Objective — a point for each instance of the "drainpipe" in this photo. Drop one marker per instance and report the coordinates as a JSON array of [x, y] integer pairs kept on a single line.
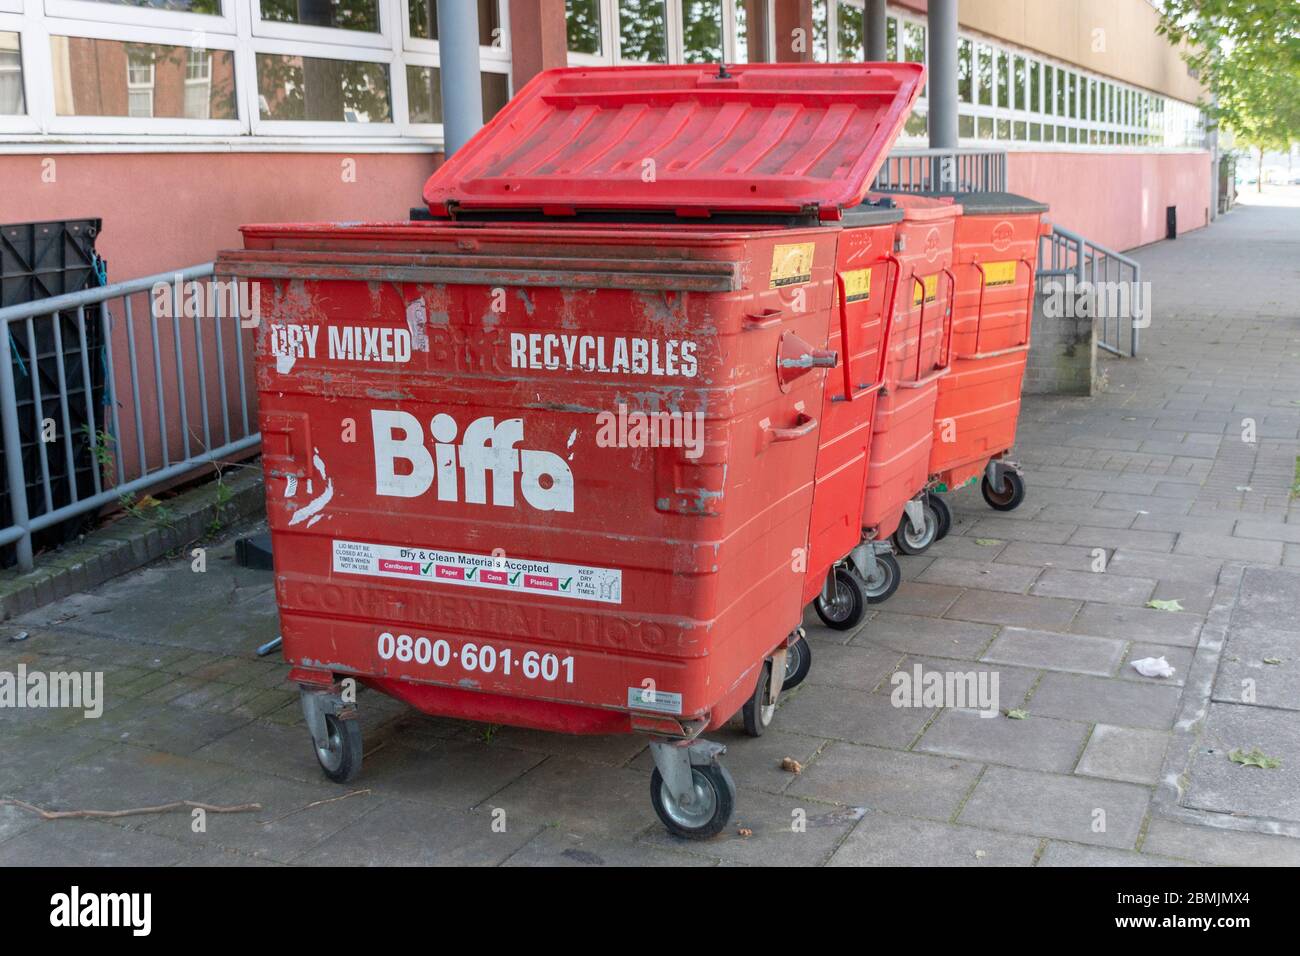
[[873, 25], [462, 92]]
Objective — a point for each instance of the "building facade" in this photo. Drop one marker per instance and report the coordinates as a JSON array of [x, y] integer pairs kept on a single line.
[[175, 121]]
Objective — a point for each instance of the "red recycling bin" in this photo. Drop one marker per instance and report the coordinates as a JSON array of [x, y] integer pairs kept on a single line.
[[552, 459], [996, 255], [919, 355]]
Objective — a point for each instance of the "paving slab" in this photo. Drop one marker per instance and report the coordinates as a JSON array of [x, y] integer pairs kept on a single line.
[[1260, 665], [858, 717], [915, 634], [1218, 845], [1152, 626], [1124, 753], [1015, 609], [1035, 743], [1053, 805], [1105, 700], [1219, 785], [1050, 650], [885, 840], [1060, 854], [886, 780]]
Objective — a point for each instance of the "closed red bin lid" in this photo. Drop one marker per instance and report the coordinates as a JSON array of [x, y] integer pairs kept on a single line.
[[777, 138]]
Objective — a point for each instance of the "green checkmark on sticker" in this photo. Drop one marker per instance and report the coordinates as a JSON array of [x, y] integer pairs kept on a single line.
[[469, 575], [427, 567], [515, 577], [564, 585]]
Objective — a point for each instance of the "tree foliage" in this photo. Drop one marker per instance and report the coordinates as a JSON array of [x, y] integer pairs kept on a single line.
[[1247, 52]]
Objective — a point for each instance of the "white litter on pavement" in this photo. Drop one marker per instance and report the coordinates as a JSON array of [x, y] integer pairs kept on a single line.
[[1153, 667]]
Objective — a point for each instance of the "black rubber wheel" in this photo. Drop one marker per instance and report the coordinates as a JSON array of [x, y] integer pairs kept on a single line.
[[907, 541], [715, 800], [844, 612], [945, 515], [340, 759], [798, 662], [755, 716], [1013, 492], [884, 581]]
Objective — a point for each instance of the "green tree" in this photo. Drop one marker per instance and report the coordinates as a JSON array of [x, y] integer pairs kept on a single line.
[[1247, 52]]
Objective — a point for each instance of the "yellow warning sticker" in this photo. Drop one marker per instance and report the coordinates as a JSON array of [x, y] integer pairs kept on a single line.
[[857, 285], [931, 284], [792, 264], [1000, 273]]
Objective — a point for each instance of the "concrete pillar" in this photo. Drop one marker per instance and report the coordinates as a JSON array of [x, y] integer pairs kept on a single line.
[[462, 91], [873, 23], [794, 30], [539, 39], [941, 86]]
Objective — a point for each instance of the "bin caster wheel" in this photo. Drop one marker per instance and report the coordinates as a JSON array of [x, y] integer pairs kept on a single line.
[[798, 662], [1013, 492], [707, 814], [909, 541], [945, 515], [883, 581], [755, 714], [844, 611], [340, 757]]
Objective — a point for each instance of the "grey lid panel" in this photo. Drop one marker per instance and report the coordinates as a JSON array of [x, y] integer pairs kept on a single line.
[[990, 203], [869, 215]]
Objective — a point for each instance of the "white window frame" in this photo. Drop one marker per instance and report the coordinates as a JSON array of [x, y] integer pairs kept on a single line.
[[125, 33], [496, 54], [29, 121], [264, 127], [11, 6], [328, 36], [107, 12]]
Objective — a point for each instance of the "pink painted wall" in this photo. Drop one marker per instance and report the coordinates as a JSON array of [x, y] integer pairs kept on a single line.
[[1115, 198], [166, 210]]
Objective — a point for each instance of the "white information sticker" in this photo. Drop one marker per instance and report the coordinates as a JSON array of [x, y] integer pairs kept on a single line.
[[492, 572], [659, 701]]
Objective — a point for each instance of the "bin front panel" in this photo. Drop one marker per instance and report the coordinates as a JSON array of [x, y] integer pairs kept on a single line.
[[463, 483], [864, 287], [694, 139], [999, 253]]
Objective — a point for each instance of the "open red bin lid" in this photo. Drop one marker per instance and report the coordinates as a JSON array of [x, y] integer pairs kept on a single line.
[[779, 138]]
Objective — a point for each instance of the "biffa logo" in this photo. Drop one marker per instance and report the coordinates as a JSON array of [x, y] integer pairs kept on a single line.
[[486, 448]]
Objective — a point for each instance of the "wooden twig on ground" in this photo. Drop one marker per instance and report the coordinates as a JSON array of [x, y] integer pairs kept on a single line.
[[134, 811]]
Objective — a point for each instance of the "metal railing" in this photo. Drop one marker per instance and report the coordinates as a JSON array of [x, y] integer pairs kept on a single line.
[[943, 170], [1114, 282], [194, 365]]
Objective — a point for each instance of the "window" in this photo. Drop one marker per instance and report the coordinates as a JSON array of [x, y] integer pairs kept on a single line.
[[11, 76], [1035, 101], [891, 38], [849, 27], [821, 30], [1004, 88], [360, 15], [423, 19], [95, 77], [753, 27], [139, 83], [584, 26], [984, 71], [198, 83], [1049, 98], [643, 30], [1071, 96], [913, 42], [424, 91], [702, 31], [299, 88], [965, 81], [212, 7], [966, 126], [1018, 79]]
